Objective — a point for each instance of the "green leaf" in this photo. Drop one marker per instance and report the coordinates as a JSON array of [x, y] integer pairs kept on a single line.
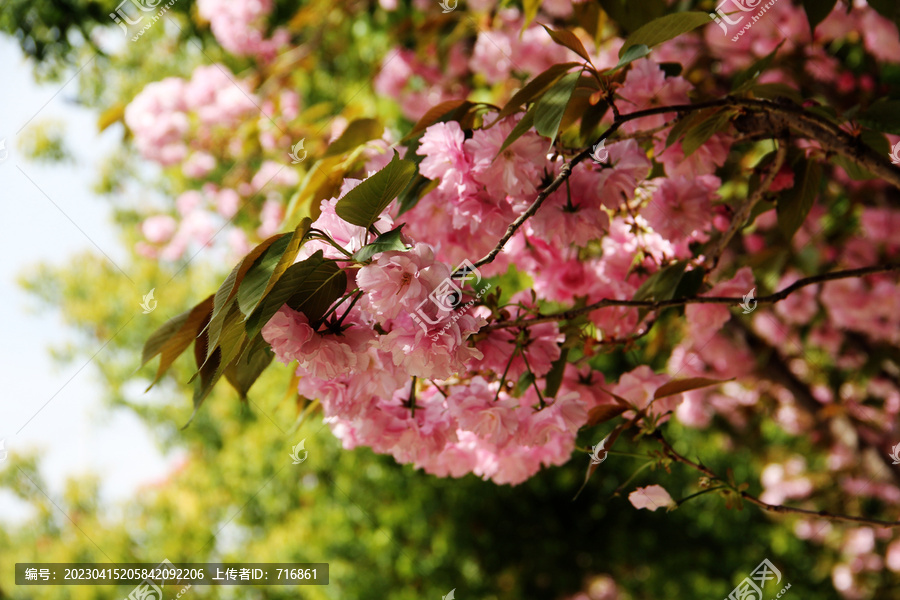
[[631, 15], [889, 9], [243, 372], [229, 288], [175, 336], [590, 120], [772, 91], [662, 284], [604, 413], [632, 54], [319, 290], [664, 29], [524, 124], [269, 267], [384, 242], [555, 376], [410, 196], [364, 204], [690, 284], [877, 142], [744, 79], [549, 110], [566, 38], [158, 338], [817, 10], [883, 116], [795, 203], [310, 286], [436, 114], [679, 386], [530, 8], [525, 380], [357, 133], [232, 338], [254, 284], [534, 88], [683, 124], [705, 129], [209, 367]]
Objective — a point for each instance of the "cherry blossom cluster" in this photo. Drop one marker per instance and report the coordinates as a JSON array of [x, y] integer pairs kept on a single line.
[[366, 376], [466, 396], [240, 26], [191, 123]]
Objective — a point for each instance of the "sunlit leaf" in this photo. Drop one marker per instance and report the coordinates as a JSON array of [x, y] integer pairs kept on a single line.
[[357, 133], [632, 54], [384, 242], [310, 286], [549, 110], [817, 10], [364, 204], [604, 413], [566, 38], [436, 114], [679, 386], [664, 29], [524, 124], [243, 372], [176, 335], [535, 87], [795, 203]]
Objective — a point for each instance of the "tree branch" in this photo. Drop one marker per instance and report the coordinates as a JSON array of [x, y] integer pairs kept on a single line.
[[778, 117], [743, 213], [566, 170], [658, 304], [776, 508]]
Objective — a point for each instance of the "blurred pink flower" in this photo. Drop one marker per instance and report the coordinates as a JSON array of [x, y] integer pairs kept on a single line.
[[159, 229], [651, 498]]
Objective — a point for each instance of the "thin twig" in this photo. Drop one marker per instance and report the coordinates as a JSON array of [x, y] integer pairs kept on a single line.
[[779, 116], [743, 212], [566, 170], [776, 508], [658, 304]]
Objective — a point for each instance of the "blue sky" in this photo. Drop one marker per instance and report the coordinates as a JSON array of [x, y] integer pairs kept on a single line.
[[51, 213]]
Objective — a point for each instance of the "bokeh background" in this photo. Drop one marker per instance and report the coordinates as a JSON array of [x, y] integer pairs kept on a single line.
[[98, 470]]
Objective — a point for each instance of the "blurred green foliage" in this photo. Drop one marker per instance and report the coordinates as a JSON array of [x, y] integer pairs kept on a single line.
[[388, 532]]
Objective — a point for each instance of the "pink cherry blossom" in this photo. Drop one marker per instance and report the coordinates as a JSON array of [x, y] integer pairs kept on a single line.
[[651, 497], [475, 409], [159, 229], [515, 171], [681, 207], [400, 280], [647, 86]]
